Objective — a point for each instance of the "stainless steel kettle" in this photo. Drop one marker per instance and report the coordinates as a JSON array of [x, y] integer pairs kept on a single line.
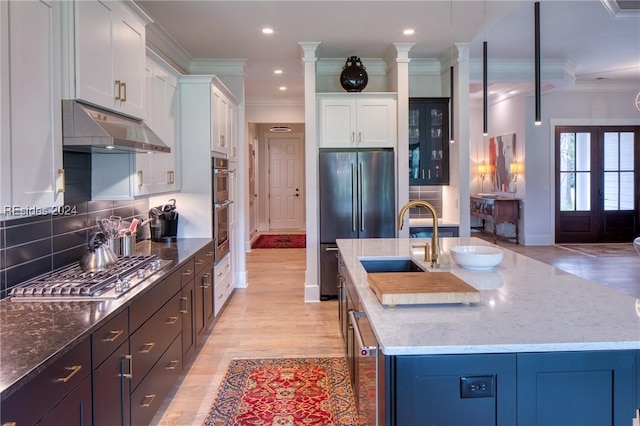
[[99, 256]]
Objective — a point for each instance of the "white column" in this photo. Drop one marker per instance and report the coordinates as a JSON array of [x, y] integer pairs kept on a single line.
[[402, 149], [312, 275], [461, 147]]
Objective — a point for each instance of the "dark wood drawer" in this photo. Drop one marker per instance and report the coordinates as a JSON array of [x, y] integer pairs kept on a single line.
[[203, 257], [146, 399], [187, 271], [143, 308], [35, 399], [108, 337], [150, 341], [74, 409]]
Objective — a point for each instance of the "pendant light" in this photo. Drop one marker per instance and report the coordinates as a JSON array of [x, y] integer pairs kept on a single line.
[[485, 100], [451, 115], [536, 19], [485, 91], [451, 86]]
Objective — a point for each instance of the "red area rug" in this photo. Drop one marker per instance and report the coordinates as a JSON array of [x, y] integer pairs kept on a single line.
[[280, 241], [285, 392]]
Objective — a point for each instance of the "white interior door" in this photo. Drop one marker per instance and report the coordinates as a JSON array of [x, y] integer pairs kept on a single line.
[[285, 183]]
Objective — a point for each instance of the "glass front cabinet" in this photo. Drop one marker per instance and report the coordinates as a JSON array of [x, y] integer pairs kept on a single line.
[[428, 141]]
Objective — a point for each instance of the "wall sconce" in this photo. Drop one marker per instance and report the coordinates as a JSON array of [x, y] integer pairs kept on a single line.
[[483, 169], [515, 169]]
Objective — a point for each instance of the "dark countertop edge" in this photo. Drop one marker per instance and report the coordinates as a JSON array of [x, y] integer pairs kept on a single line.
[[182, 250]]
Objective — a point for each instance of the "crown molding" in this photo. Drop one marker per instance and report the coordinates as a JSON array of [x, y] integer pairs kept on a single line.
[[333, 66], [605, 86], [267, 101], [560, 71], [163, 45], [617, 12], [218, 66], [424, 67]]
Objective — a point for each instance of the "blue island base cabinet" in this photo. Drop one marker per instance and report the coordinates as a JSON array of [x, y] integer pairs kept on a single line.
[[576, 388], [429, 390], [594, 388]]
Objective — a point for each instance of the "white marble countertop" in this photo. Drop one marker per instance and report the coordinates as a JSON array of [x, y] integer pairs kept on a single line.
[[525, 306]]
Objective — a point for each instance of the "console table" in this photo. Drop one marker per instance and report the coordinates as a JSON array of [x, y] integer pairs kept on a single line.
[[497, 210]]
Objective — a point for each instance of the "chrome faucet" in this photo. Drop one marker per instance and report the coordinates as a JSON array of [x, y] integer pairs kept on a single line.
[[435, 244]]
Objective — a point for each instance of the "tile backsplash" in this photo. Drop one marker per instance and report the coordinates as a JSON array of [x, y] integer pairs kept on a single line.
[[431, 194], [31, 246], [34, 245]]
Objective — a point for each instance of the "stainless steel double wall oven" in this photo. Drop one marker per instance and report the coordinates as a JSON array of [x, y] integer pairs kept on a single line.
[[221, 202]]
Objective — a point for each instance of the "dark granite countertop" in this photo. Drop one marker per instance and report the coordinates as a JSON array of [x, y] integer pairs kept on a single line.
[[34, 334]]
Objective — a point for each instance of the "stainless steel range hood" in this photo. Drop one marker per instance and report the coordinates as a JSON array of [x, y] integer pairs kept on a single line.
[[86, 128]]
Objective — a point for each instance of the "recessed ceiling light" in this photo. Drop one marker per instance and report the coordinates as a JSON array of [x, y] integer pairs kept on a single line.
[[267, 30], [277, 71], [408, 31], [283, 88]]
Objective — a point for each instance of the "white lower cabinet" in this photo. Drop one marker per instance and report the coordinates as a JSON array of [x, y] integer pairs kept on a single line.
[[223, 285], [31, 172]]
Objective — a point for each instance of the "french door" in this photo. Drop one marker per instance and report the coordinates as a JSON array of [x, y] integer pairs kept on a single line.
[[597, 184]]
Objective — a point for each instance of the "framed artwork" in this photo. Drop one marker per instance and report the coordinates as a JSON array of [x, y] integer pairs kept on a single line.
[[502, 152]]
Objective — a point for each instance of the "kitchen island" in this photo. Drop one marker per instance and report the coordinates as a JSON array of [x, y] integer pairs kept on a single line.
[[541, 347]]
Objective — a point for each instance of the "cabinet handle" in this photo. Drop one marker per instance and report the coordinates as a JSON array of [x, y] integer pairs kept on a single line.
[[222, 142], [62, 181], [173, 364], [112, 336], [184, 310], [209, 254], [422, 173], [219, 274], [129, 375], [74, 370], [220, 296], [118, 90], [199, 262], [187, 272], [139, 178], [429, 173], [146, 348], [148, 399], [353, 137], [172, 320], [205, 281], [124, 90], [359, 137], [170, 177]]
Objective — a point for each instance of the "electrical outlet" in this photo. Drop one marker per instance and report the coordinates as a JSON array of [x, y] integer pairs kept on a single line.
[[477, 386]]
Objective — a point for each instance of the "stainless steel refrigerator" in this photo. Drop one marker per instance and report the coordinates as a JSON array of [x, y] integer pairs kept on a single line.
[[357, 200]]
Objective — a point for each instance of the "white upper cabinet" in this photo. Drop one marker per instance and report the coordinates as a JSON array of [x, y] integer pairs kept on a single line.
[[357, 121], [109, 56], [31, 135], [224, 121], [162, 116]]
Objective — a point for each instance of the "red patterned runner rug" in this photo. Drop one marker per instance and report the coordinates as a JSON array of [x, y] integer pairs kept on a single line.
[[280, 241], [284, 392]]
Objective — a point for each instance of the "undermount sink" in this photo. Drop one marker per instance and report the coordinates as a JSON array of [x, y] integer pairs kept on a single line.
[[390, 265]]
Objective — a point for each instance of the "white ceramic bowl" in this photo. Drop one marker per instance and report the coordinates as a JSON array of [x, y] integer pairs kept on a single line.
[[476, 257]]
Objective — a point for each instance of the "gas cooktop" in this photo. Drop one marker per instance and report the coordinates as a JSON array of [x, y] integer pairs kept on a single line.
[[72, 283]]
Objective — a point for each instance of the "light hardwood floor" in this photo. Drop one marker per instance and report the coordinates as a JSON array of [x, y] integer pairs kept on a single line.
[[270, 319]]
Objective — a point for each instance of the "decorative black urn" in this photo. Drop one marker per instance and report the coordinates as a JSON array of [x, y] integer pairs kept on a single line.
[[353, 77]]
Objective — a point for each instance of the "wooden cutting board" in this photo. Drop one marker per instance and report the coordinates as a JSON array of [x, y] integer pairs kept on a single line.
[[408, 288]]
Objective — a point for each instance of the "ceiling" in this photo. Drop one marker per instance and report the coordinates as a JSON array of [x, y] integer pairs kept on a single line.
[[598, 39]]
